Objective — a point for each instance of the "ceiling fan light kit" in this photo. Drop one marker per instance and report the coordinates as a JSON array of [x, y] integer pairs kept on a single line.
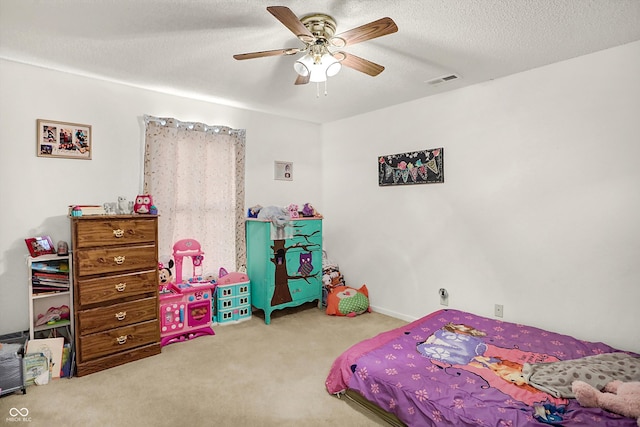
[[317, 66], [317, 32]]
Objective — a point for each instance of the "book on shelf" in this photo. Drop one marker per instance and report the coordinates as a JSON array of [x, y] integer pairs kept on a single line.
[[56, 283], [67, 361], [50, 291], [61, 280], [87, 209], [50, 276], [49, 286], [52, 266]]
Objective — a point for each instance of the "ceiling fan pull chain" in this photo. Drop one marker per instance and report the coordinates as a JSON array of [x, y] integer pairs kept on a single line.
[[325, 88]]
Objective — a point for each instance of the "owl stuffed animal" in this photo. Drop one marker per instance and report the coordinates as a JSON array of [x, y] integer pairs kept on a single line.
[[123, 206], [143, 204], [347, 301]]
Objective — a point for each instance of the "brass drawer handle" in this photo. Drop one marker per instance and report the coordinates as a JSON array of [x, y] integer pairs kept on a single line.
[[122, 339], [121, 315], [118, 259], [120, 287], [118, 233]]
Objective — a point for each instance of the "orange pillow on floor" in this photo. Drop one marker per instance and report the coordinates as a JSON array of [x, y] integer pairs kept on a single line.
[[347, 301]]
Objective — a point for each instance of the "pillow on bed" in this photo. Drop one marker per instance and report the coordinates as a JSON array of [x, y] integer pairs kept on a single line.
[[347, 301]]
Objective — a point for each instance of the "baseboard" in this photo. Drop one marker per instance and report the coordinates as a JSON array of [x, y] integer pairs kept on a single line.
[[393, 314]]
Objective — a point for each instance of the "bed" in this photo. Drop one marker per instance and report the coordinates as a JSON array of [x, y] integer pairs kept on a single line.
[[456, 368]]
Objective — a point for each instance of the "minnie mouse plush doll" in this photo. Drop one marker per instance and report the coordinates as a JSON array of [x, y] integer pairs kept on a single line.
[[165, 276]]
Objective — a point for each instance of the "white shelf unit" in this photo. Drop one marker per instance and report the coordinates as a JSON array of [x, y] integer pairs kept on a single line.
[[41, 301]]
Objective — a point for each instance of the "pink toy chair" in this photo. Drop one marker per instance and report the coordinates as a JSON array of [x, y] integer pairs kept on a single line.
[[190, 248]]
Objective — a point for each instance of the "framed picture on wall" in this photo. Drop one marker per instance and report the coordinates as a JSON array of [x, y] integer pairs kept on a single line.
[[283, 171], [413, 167], [63, 140]]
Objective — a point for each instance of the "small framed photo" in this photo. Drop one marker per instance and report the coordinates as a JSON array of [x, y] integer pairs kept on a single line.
[[40, 246], [63, 140], [283, 171]]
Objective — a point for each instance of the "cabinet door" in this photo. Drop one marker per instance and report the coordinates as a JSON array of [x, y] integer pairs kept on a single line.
[[305, 273], [296, 273], [284, 270], [172, 316]]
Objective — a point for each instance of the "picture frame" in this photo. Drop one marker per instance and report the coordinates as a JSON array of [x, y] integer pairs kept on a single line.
[[63, 140], [413, 167], [41, 245], [283, 171]]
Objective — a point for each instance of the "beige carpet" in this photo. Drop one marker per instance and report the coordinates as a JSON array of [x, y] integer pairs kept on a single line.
[[248, 374]]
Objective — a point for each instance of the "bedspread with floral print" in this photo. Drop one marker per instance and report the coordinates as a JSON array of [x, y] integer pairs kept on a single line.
[[457, 368]]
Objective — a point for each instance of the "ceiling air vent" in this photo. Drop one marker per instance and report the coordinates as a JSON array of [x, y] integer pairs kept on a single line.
[[443, 79]]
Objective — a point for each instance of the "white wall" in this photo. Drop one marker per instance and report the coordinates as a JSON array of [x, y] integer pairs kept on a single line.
[[538, 212], [35, 192]]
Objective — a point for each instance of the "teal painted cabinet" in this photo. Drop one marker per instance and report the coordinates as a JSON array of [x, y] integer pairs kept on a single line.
[[284, 264]]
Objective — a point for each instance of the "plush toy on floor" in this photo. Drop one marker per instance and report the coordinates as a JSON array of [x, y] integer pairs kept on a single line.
[[347, 301], [620, 397]]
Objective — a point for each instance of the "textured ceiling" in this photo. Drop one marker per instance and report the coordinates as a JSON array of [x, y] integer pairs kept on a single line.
[[185, 47]]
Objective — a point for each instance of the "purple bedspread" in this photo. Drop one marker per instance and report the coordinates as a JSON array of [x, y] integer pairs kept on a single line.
[[457, 368]]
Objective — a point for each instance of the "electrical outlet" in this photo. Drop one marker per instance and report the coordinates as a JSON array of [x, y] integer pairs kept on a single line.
[[444, 296], [499, 310]]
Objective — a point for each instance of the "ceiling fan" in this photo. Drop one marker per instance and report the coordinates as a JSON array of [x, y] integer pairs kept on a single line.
[[317, 32]]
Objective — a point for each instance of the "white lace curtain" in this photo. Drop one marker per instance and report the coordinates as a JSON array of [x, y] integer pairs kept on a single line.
[[195, 174]]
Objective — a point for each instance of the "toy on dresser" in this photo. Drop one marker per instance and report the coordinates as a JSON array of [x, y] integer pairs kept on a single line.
[[185, 305]]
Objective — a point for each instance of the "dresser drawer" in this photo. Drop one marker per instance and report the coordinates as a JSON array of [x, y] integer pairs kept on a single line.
[[117, 315], [303, 290], [118, 340], [105, 289], [306, 232], [94, 261], [108, 232]]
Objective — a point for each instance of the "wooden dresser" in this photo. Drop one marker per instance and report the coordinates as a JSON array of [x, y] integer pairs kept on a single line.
[[284, 265], [115, 282]]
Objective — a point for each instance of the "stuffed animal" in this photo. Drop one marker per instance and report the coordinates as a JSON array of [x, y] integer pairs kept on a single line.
[[143, 204], [293, 210], [253, 211], [164, 273], [347, 301], [620, 397], [53, 315], [308, 210], [277, 215], [123, 206]]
